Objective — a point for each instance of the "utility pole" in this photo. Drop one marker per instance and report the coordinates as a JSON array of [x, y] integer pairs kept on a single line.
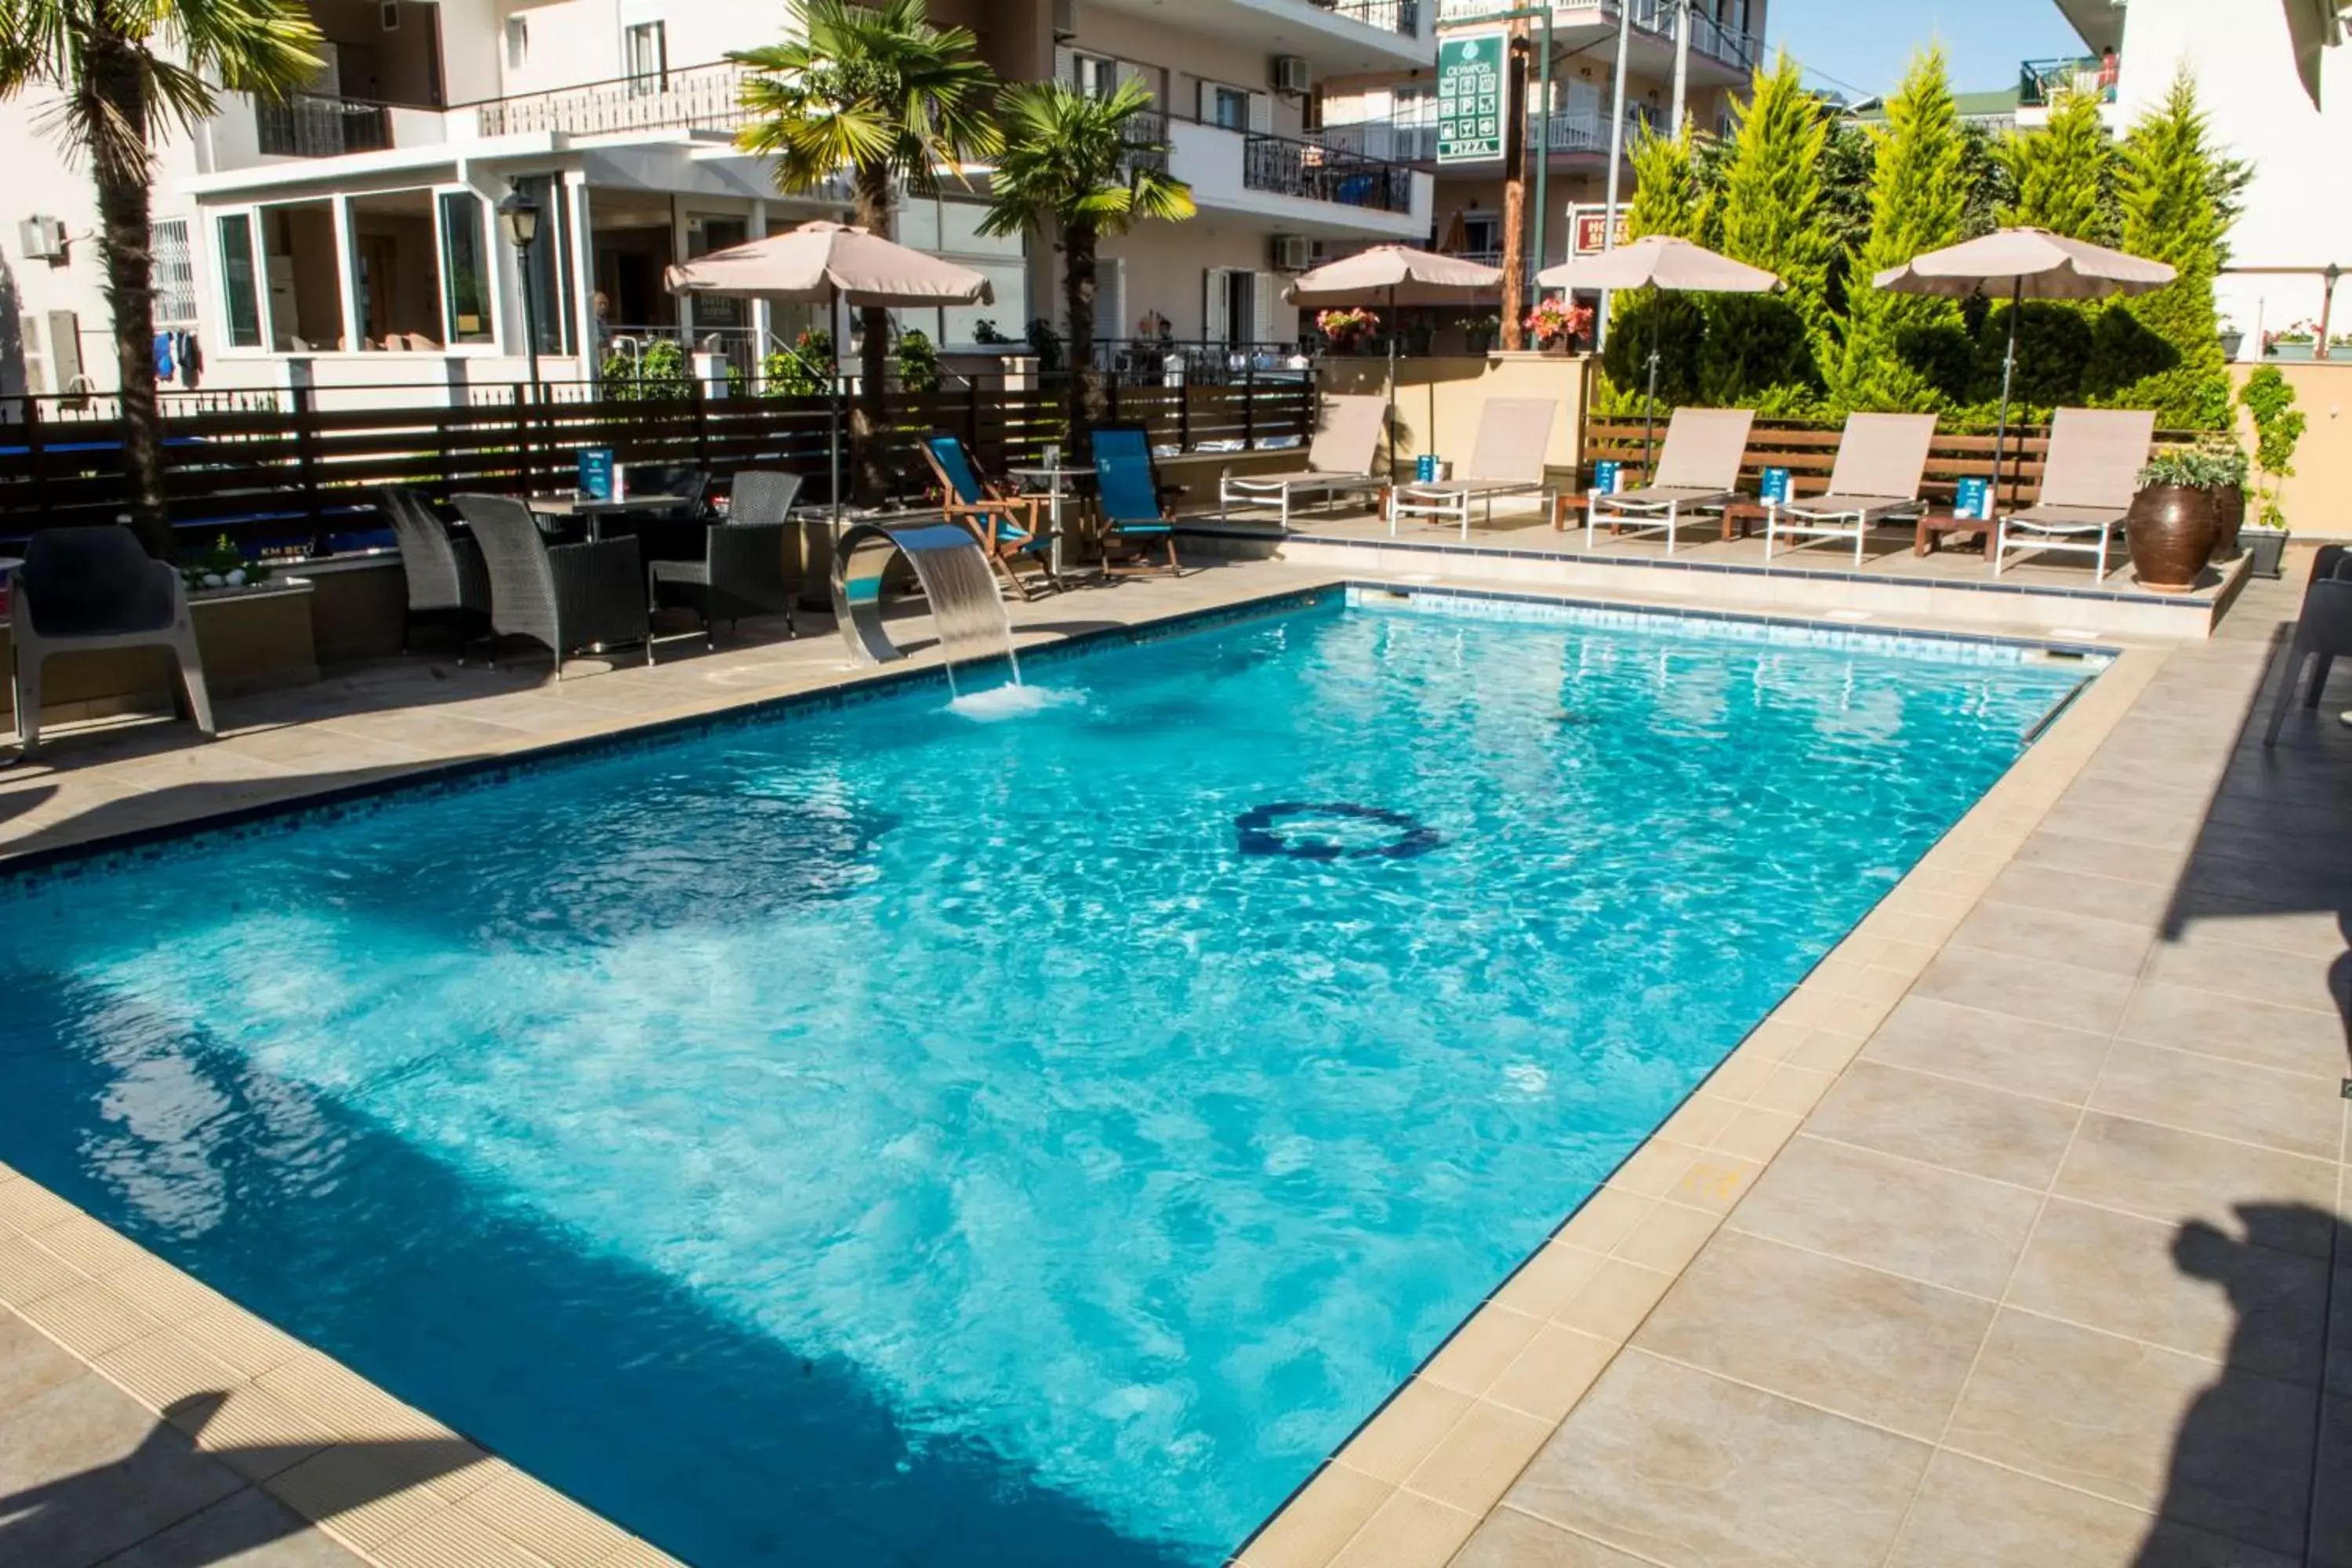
[[1682, 63], [1616, 157], [1515, 188]]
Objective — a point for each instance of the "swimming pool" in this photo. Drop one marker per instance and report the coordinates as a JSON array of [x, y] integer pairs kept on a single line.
[[879, 1135]]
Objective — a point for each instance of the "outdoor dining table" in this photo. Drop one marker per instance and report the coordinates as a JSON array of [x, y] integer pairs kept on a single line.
[[595, 512], [1056, 482]]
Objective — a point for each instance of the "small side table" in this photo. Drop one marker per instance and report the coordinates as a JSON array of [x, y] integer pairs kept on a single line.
[[1054, 482], [1934, 525]]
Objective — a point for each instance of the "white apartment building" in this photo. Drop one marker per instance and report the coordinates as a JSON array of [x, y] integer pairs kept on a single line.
[[1719, 43], [346, 239], [2244, 58]]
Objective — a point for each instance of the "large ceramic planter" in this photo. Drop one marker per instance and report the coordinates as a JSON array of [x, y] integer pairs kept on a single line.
[[2229, 516], [2171, 529], [2230, 344]]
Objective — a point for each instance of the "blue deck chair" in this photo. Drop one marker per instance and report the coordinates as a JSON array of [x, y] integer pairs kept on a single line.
[[1134, 504], [1008, 526]]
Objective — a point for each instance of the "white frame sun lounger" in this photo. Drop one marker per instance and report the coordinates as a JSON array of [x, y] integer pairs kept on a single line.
[[2088, 477], [1514, 438], [1881, 459], [1340, 462], [1697, 468]]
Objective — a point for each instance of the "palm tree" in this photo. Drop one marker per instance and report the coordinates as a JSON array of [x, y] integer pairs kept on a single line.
[[879, 93], [121, 70], [1095, 166]]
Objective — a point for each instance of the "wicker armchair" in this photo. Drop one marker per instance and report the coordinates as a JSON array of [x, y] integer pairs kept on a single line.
[[447, 579], [744, 568], [569, 596]]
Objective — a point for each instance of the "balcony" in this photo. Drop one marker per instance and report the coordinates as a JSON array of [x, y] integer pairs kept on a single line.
[[699, 98], [2040, 82], [1320, 188], [1720, 53], [1400, 16], [305, 125], [1410, 136], [1311, 171]]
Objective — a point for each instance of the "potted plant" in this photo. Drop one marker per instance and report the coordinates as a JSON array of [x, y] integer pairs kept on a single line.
[[2221, 467], [1479, 332], [222, 566], [2231, 338], [2269, 402], [1349, 330], [1417, 337], [2293, 341], [1046, 345], [2170, 526], [1556, 324]]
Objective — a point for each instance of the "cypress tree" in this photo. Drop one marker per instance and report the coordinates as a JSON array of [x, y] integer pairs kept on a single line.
[[2060, 173], [1666, 195], [2162, 351], [1666, 200], [1919, 203], [1772, 214]]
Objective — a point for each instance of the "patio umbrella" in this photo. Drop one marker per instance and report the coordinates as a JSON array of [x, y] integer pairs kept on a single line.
[[1393, 275], [1659, 261], [2026, 264], [832, 265]]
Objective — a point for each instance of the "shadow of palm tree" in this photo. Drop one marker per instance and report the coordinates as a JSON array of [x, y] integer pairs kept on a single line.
[[49, 1523], [2263, 1455]]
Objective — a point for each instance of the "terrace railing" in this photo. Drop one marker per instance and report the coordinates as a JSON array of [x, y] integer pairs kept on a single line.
[[697, 98], [305, 125], [290, 479], [1318, 172], [1388, 15], [2039, 82]]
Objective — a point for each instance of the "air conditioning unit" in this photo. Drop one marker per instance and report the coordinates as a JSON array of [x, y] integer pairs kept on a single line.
[[1291, 75], [1066, 20], [1290, 252], [42, 239]]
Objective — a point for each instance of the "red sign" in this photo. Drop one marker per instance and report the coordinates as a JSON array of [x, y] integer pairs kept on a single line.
[[1588, 225]]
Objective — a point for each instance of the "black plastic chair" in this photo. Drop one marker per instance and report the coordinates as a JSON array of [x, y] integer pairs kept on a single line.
[[84, 590], [569, 596], [2323, 630], [743, 567]]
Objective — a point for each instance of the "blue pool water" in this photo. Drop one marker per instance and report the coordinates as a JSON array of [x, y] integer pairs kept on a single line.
[[883, 1136]]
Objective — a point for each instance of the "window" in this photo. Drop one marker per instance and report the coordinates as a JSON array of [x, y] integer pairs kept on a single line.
[[518, 42], [1230, 108], [645, 53], [302, 277], [173, 273], [548, 273], [703, 235], [396, 284], [240, 288], [465, 280], [1095, 76]]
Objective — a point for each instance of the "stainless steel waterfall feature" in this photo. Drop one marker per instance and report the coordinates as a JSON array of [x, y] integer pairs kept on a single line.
[[967, 611]]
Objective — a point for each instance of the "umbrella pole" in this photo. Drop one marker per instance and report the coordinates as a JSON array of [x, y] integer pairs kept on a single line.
[[1650, 406], [2007, 372], [833, 385], [1390, 432]]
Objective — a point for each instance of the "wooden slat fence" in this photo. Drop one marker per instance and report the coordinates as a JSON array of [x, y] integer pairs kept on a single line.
[[293, 478], [1808, 451]]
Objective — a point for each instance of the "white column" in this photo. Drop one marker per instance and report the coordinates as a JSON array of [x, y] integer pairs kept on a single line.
[[346, 275], [764, 324], [1682, 63], [583, 279]]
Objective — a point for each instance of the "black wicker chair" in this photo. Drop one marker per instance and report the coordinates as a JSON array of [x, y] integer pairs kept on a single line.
[[446, 580], [569, 596], [743, 570]]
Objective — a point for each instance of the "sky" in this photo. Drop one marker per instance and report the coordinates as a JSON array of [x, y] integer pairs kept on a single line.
[[1862, 45]]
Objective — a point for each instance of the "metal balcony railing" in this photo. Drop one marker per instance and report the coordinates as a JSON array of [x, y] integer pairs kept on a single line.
[[1146, 143], [1710, 37], [1587, 129], [305, 125], [2040, 81], [1321, 173], [1402, 17], [698, 98]]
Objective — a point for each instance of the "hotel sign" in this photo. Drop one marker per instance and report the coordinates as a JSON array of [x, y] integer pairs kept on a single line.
[[1471, 97], [1588, 227]]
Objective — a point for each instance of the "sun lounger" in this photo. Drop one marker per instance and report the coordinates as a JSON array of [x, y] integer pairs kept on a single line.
[[1514, 435], [2088, 477], [1338, 463], [1698, 468], [1881, 459], [1131, 501]]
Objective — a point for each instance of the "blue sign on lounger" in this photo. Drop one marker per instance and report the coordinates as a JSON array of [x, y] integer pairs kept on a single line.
[[1774, 486], [596, 472], [1973, 499]]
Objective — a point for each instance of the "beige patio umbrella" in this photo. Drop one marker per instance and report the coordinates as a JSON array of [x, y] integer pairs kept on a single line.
[[1393, 275], [2025, 264], [1658, 261], [832, 265]]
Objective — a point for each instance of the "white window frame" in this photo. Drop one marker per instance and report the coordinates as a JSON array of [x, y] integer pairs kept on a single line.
[[517, 33], [183, 288], [495, 278], [643, 83], [251, 216]]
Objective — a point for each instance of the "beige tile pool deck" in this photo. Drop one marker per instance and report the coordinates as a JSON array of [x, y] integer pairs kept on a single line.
[[2014, 1237]]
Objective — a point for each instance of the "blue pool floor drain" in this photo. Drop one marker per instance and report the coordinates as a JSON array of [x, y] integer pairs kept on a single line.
[[1260, 834]]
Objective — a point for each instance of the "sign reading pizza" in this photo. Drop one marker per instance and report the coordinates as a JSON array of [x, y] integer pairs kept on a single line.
[[1471, 96]]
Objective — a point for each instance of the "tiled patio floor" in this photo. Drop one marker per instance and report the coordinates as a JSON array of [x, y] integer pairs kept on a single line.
[[2045, 1275]]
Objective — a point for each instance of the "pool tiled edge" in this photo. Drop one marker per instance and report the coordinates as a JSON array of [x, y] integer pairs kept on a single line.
[[1409, 1487]]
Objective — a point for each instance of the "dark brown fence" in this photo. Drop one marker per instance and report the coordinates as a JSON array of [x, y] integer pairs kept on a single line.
[[296, 478], [1808, 451]]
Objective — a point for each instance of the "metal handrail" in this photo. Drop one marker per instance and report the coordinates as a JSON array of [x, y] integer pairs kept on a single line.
[[1319, 171], [1401, 16], [313, 125], [699, 97]]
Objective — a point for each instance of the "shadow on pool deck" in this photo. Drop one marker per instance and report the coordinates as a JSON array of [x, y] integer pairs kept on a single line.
[[603, 1378]]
